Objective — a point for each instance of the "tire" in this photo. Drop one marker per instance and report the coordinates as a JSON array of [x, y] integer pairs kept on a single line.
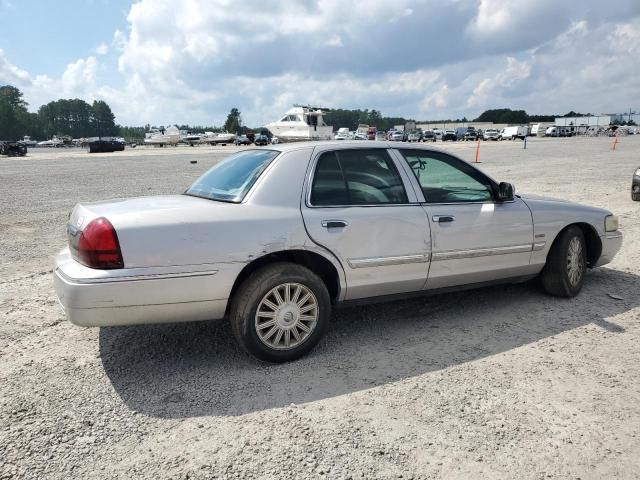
[[635, 197], [258, 289], [563, 274]]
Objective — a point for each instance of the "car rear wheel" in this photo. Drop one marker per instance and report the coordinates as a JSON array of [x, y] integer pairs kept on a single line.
[[280, 312], [563, 275]]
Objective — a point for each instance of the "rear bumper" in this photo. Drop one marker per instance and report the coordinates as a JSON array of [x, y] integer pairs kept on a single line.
[[611, 244], [121, 299]]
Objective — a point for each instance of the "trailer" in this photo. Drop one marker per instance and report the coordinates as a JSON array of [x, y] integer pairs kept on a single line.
[[539, 129], [513, 132]]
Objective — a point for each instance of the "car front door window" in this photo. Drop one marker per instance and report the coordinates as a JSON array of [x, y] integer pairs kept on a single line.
[[444, 179]]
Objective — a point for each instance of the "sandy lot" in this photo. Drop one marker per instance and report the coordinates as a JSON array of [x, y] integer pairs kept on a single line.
[[502, 382]]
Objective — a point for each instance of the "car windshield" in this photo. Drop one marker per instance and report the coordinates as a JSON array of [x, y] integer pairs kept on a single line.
[[231, 179]]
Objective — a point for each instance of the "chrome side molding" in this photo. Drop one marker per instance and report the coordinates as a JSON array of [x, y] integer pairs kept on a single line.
[[386, 261], [480, 252]]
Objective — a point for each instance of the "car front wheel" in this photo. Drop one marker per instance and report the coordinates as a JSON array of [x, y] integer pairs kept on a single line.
[[563, 274], [280, 312]]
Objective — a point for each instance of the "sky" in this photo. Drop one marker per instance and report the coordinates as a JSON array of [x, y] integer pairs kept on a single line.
[[190, 61]]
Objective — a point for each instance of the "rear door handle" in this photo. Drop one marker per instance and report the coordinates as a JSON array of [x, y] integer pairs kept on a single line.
[[334, 223], [443, 218]]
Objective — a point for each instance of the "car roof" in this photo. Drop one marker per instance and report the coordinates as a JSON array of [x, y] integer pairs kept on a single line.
[[346, 144]]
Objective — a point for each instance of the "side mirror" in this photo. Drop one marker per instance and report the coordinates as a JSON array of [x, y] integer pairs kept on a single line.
[[505, 192]]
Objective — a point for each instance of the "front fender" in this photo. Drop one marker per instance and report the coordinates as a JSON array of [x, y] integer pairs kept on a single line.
[[551, 216]]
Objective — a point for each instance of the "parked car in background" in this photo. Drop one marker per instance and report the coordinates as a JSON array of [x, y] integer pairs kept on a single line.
[[342, 134], [381, 135], [98, 145], [13, 149], [397, 136], [428, 136], [460, 133], [491, 134], [360, 136], [242, 140], [371, 133], [415, 136], [635, 186], [471, 134], [261, 140], [449, 135], [438, 133], [218, 250]]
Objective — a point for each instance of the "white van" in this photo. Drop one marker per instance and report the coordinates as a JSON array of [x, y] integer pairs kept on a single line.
[[517, 131], [343, 134], [551, 132], [539, 129]]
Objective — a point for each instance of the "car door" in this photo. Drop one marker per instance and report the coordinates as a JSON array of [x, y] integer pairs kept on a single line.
[[358, 204], [475, 238]]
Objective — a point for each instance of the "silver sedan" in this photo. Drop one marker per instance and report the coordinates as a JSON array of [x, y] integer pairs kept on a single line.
[[274, 238]]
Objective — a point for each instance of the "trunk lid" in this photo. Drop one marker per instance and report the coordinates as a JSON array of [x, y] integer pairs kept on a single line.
[[158, 230]]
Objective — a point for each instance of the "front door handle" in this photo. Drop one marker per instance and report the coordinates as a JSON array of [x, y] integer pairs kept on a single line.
[[443, 218], [334, 223]]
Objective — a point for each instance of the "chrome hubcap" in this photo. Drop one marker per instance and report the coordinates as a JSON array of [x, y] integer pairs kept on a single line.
[[286, 316], [575, 261]]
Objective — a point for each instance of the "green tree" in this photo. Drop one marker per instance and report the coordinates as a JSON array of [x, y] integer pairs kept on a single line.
[[234, 121], [103, 119], [15, 120], [503, 115], [132, 134]]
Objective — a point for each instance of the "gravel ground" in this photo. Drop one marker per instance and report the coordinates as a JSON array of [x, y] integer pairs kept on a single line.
[[502, 382]]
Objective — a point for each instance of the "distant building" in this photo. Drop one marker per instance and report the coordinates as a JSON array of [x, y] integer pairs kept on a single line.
[[592, 121], [597, 120], [625, 117], [454, 125]]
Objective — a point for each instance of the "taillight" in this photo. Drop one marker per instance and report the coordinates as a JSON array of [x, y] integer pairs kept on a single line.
[[98, 246]]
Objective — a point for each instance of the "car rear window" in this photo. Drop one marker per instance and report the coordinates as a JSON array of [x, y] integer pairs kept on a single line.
[[231, 179]]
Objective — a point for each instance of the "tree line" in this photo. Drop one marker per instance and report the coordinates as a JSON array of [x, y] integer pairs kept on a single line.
[[73, 117], [79, 119]]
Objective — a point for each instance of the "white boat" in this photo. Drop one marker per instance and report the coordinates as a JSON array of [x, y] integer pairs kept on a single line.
[[28, 142], [54, 142], [191, 138], [300, 124], [162, 136], [224, 138]]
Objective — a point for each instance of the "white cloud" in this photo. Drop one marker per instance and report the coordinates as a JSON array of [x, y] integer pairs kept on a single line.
[[119, 40], [513, 72], [102, 49], [80, 76], [438, 100], [10, 74]]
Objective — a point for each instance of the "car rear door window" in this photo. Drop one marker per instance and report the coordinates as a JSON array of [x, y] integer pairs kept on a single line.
[[357, 177], [445, 179], [329, 187]]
